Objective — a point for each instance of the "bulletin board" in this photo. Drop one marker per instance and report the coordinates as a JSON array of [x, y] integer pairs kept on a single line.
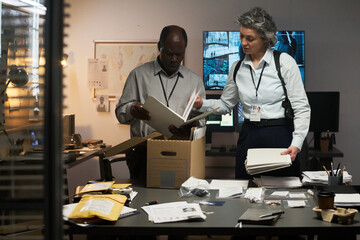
[[122, 57]]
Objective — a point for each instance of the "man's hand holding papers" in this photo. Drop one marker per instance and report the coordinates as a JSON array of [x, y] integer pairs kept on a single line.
[[161, 116]]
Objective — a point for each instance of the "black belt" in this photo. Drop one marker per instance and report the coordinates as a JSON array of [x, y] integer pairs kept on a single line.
[[269, 122]]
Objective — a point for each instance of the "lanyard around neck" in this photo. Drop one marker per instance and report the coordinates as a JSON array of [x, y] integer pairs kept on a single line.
[[162, 85], [252, 77]]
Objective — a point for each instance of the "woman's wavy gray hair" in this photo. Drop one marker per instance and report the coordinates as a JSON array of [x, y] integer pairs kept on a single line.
[[258, 19]]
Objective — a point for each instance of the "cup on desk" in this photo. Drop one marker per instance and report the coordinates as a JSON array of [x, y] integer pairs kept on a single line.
[[335, 180], [326, 199]]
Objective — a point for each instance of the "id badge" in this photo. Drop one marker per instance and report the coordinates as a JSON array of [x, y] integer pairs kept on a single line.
[[255, 113]]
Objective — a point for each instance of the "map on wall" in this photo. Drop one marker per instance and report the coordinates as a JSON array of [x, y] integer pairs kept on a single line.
[[122, 57]]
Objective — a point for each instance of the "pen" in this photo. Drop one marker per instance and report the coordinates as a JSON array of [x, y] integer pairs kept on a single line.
[[332, 169], [326, 170], [272, 214], [152, 202], [342, 171], [337, 170]]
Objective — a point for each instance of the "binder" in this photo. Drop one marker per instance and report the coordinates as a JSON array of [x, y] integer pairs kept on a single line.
[[162, 116]]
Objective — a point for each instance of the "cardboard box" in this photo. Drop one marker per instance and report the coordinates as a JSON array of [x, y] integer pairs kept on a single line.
[[171, 162]]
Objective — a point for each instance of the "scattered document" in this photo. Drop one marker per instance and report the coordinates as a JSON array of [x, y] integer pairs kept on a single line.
[[261, 160], [174, 212], [254, 194], [193, 182], [231, 192], [279, 194], [67, 209], [218, 184], [100, 186], [199, 133], [194, 186], [297, 195], [321, 177], [127, 212], [162, 116], [296, 203], [278, 182], [347, 199]]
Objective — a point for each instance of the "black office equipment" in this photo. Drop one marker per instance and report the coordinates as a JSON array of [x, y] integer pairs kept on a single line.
[[68, 127], [325, 108]]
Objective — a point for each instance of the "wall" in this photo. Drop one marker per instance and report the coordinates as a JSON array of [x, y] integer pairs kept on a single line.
[[332, 51]]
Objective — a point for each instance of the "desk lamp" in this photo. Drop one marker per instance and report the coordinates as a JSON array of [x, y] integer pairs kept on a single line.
[[19, 78]]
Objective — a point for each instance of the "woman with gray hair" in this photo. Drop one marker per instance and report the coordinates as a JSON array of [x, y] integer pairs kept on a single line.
[[258, 87]]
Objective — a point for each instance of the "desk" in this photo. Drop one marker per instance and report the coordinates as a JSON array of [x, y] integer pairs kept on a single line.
[[295, 220], [87, 166], [227, 151], [320, 158], [87, 155]]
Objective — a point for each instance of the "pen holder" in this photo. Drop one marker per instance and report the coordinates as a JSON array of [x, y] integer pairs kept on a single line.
[[326, 200], [335, 180]]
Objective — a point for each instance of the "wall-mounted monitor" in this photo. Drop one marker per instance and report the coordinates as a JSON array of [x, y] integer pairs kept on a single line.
[[325, 112], [222, 48]]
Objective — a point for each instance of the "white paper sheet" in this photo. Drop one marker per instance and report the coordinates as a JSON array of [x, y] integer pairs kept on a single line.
[[174, 212]]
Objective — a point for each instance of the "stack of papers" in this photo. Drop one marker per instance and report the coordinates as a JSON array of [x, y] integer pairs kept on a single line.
[[278, 182], [321, 177], [261, 160], [174, 212], [347, 199]]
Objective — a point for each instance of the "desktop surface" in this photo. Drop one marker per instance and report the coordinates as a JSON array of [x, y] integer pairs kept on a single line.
[[221, 222]]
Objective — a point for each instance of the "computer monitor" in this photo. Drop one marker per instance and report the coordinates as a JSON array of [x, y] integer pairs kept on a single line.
[[68, 127], [325, 108], [221, 123], [222, 48], [36, 137]]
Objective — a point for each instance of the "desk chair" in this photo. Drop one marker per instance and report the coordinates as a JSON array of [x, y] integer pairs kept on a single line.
[[111, 155], [105, 166]]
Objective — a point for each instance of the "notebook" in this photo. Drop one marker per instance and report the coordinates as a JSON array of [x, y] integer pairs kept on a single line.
[[253, 216]]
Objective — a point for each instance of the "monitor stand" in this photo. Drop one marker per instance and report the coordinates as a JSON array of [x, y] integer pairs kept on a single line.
[[317, 140], [208, 140]]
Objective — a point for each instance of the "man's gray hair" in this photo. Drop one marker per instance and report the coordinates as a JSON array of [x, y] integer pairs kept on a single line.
[[258, 19]]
